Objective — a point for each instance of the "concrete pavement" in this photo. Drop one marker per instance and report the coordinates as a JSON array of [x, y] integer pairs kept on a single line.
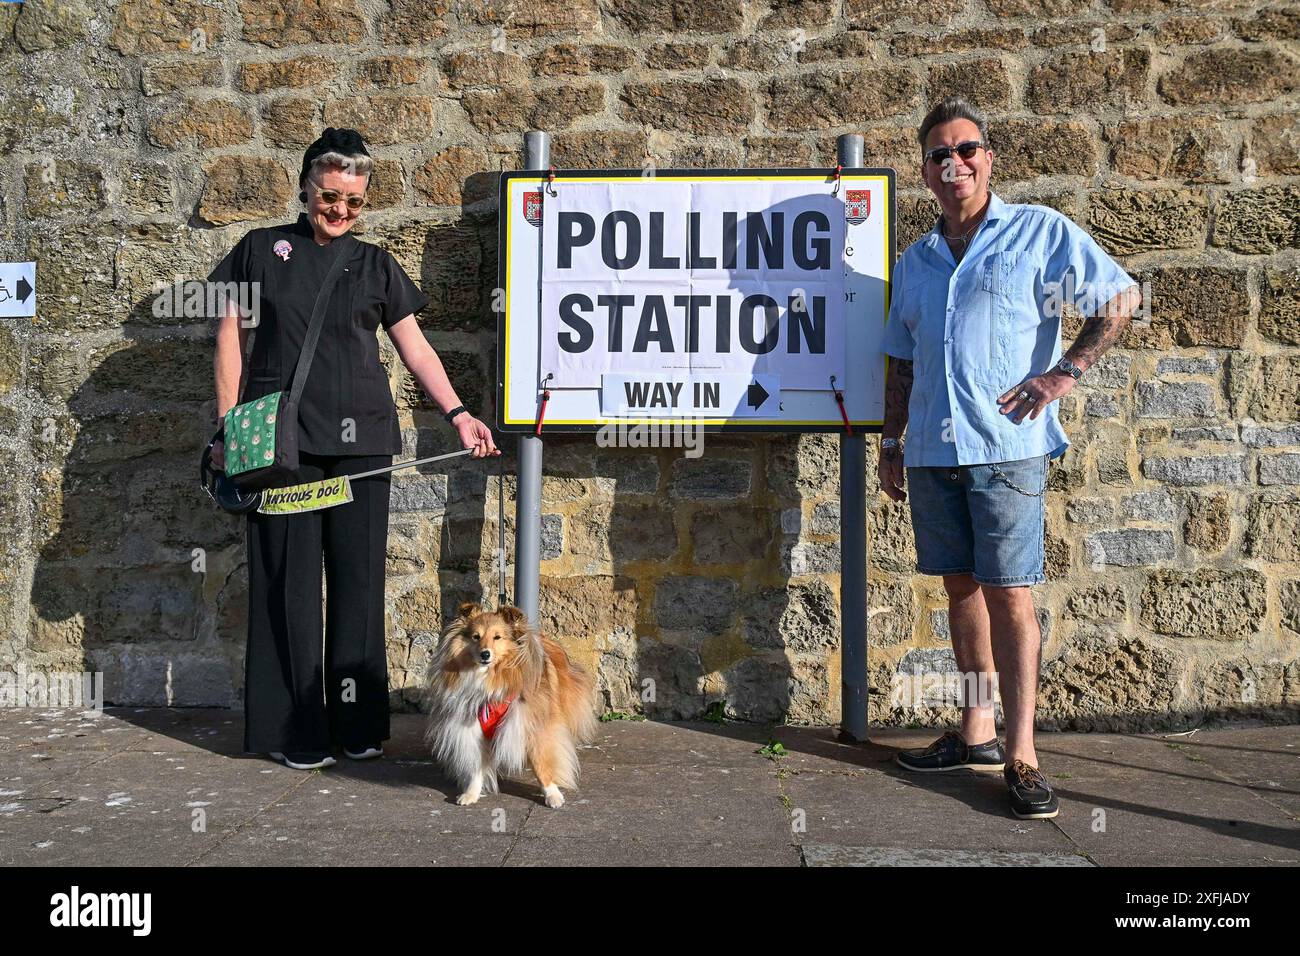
[[172, 787]]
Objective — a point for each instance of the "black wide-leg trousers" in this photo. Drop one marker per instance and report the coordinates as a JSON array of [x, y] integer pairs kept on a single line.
[[307, 689]]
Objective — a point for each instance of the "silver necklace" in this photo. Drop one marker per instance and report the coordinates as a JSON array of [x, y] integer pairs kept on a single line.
[[964, 238]]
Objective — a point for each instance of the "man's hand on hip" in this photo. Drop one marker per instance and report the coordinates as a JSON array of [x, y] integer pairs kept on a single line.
[[1033, 395]]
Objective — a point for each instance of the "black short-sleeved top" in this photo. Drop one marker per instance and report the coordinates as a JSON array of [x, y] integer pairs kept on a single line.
[[346, 380]]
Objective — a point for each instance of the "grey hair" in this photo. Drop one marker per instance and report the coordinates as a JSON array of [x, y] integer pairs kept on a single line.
[[360, 164], [947, 110]]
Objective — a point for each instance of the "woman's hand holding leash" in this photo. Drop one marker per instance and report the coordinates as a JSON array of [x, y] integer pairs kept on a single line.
[[474, 434]]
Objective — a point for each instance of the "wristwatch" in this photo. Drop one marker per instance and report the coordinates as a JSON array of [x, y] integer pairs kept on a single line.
[[453, 413], [1069, 368], [888, 443]]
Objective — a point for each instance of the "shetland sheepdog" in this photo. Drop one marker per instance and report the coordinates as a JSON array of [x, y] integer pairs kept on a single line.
[[502, 696]]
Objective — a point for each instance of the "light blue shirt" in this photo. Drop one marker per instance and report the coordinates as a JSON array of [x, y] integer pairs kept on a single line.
[[976, 328]]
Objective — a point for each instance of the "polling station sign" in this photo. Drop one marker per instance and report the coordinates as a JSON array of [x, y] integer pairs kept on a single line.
[[737, 299]]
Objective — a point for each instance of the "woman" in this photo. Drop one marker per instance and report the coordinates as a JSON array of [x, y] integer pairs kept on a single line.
[[300, 703]]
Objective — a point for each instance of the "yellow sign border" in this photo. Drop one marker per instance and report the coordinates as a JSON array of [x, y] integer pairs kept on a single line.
[[629, 178]]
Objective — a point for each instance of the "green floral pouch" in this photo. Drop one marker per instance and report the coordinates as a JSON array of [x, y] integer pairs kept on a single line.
[[259, 446]]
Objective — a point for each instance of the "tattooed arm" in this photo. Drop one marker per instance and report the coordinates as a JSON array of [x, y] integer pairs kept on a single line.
[[898, 392], [1103, 330]]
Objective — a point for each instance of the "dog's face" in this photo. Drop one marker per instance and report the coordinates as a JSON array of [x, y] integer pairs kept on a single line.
[[492, 638]]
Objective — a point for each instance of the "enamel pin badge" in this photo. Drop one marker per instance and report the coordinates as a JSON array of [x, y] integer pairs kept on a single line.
[[282, 249]]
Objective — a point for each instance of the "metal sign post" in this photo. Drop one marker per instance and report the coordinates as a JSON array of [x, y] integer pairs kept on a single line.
[[528, 494], [853, 548]]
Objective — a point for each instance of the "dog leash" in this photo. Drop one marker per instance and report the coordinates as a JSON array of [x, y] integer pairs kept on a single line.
[[294, 499], [412, 464], [330, 492]]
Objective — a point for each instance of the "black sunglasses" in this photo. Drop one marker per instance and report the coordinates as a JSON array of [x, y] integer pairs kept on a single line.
[[965, 150]]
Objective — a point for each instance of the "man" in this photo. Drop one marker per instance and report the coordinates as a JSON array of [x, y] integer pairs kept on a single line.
[[975, 372]]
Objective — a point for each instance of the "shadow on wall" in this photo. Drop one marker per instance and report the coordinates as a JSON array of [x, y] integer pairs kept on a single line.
[[137, 572], [672, 570], [443, 531]]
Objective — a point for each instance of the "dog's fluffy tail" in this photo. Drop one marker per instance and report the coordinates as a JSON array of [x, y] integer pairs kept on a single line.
[[577, 694], [581, 716]]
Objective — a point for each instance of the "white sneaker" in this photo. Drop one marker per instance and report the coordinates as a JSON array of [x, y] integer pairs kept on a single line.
[[304, 761], [367, 754]]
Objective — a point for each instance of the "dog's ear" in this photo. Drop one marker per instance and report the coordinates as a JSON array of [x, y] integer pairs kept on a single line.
[[515, 618], [468, 610]]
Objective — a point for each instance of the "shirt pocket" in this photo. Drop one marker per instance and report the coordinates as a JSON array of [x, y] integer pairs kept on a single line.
[[1008, 274]]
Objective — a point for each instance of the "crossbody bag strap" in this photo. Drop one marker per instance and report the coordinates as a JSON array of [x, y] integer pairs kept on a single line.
[[343, 254]]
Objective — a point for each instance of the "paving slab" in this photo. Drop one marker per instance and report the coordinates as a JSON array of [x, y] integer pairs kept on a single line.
[[1143, 801], [63, 730], [38, 770], [380, 794], [1260, 758], [183, 729], [957, 810], [679, 805], [137, 808], [648, 743]]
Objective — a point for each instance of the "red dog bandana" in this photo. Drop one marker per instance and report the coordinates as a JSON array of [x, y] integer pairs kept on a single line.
[[491, 715]]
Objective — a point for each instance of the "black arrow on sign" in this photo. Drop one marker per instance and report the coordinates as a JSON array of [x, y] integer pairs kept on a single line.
[[756, 395], [24, 289]]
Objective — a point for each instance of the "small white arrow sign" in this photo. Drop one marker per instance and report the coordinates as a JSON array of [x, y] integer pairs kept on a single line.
[[17, 289]]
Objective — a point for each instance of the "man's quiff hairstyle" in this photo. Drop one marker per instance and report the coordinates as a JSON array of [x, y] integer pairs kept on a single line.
[[947, 110]]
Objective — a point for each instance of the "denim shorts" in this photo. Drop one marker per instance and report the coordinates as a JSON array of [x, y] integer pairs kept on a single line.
[[982, 520]]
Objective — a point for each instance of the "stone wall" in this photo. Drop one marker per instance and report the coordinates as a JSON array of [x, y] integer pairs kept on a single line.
[[145, 136]]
